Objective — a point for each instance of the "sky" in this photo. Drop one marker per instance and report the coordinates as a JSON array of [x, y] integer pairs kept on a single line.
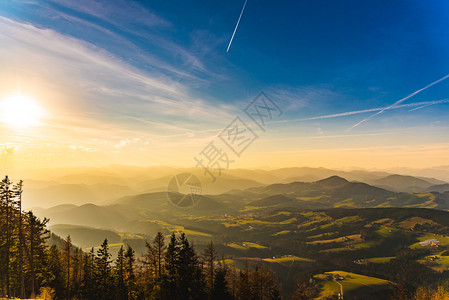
[[351, 83]]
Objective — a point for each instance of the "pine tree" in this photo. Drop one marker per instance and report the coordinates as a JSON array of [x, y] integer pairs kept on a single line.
[[36, 250], [220, 290], [170, 276], [209, 256], [88, 287], [183, 278], [77, 268], [119, 272], [7, 210], [159, 251], [191, 279], [22, 235], [149, 273], [231, 279], [103, 272], [154, 261], [243, 288], [19, 191], [67, 260], [55, 273], [130, 278]]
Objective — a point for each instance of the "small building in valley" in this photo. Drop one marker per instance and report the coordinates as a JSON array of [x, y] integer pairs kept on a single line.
[[431, 242]]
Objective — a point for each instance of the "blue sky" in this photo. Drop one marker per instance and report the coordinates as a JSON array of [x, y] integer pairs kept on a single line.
[[133, 80]]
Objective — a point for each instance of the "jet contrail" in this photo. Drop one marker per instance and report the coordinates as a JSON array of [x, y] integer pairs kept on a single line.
[[236, 26], [399, 101], [349, 113], [356, 112], [420, 107]]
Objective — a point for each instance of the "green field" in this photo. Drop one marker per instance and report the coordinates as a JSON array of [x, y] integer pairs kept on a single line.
[[350, 283], [352, 238], [444, 241], [246, 246], [281, 232], [440, 264], [286, 259], [380, 260]]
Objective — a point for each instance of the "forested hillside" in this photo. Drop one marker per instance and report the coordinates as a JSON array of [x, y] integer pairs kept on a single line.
[[30, 267]]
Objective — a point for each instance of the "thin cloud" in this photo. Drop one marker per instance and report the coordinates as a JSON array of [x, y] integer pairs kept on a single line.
[[99, 101], [116, 12], [109, 24], [129, 49]]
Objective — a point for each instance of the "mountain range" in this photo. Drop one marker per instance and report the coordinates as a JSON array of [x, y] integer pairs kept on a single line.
[[136, 213], [102, 186]]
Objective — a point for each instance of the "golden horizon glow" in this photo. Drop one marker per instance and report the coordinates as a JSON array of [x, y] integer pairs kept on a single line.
[[20, 111]]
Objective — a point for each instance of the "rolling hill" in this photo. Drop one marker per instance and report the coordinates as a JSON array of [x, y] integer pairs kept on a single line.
[[332, 192], [401, 183], [87, 215], [441, 188], [102, 186], [85, 237]]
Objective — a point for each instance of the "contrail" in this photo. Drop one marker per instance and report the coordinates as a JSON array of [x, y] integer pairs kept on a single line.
[[236, 26], [399, 101], [420, 107], [356, 112], [350, 113]]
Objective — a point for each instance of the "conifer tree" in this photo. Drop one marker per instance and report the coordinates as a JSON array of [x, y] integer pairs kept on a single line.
[[103, 272], [67, 260], [130, 278], [55, 273], [77, 269], [243, 288], [209, 256], [36, 250], [88, 287], [6, 198], [159, 251], [170, 276], [119, 275], [191, 279], [220, 290]]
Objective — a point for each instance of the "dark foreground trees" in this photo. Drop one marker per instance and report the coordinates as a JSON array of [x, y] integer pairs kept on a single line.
[[23, 252], [28, 266]]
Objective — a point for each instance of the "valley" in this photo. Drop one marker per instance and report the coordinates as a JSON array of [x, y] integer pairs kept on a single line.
[[301, 230]]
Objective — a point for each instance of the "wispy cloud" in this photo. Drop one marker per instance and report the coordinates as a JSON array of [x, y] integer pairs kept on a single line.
[[107, 82], [82, 148], [117, 12], [128, 29], [93, 94]]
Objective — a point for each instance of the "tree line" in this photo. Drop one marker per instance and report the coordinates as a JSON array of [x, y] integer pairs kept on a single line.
[[173, 270], [23, 252]]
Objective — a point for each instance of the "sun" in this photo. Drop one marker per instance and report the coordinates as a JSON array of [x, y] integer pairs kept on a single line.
[[20, 110]]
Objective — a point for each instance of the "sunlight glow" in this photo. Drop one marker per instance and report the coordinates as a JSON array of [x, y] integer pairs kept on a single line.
[[20, 110]]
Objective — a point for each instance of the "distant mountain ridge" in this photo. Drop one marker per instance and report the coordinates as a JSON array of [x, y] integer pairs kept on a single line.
[[327, 193], [324, 193], [102, 186], [441, 188], [402, 183]]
